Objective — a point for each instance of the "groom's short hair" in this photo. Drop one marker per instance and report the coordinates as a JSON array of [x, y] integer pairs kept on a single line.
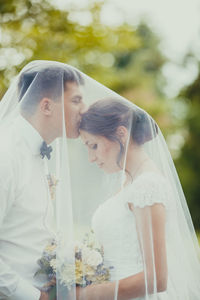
[[48, 81]]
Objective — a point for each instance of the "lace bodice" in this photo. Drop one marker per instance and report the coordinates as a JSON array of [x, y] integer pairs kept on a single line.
[[115, 225]]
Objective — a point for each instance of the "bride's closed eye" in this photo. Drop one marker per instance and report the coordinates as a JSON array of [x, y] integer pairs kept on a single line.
[[93, 146]]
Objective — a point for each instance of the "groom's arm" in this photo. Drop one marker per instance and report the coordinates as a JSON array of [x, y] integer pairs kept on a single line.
[[12, 286], [15, 288]]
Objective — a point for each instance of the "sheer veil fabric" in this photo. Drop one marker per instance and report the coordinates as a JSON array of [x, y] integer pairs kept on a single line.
[[114, 175]]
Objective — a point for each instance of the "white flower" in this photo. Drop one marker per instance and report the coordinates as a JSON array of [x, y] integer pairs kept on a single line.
[[91, 257], [53, 264], [67, 275], [78, 245]]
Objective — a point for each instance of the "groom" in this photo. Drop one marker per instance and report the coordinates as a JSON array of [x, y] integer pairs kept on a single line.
[[26, 214]]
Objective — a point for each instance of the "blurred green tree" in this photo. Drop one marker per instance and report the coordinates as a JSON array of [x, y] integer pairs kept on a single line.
[[32, 29], [123, 58], [188, 163]]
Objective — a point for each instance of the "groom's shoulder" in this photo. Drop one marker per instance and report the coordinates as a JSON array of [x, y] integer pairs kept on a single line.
[[8, 145]]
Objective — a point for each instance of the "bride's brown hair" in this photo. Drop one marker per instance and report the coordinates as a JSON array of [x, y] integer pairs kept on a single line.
[[105, 116]]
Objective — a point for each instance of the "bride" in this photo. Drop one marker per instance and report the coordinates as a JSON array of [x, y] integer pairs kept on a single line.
[[144, 233]]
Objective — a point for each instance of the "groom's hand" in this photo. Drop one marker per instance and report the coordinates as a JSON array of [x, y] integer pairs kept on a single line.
[[44, 296]]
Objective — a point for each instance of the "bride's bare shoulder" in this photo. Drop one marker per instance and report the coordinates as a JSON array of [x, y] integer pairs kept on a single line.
[[149, 167]]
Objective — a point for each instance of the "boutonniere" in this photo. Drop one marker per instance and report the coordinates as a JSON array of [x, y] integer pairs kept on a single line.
[[52, 182]]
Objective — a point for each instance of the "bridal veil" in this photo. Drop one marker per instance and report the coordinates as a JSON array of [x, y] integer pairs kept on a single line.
[[84, 196]]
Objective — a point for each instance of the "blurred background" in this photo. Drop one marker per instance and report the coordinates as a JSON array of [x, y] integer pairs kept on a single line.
[[147, 51]]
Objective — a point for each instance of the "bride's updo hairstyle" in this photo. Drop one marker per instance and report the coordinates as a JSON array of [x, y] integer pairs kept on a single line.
[[105, 116]]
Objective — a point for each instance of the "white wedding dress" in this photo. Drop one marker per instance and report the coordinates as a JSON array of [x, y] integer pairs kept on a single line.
[[115, 226]]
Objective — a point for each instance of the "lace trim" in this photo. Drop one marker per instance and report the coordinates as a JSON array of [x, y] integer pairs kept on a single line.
[[147, 191]]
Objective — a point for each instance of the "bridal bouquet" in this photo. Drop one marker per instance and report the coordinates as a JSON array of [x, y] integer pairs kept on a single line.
[[87, 268]]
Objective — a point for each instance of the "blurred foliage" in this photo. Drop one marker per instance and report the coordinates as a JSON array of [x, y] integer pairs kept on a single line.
[[198, 236], [188, 163], [123, 58]]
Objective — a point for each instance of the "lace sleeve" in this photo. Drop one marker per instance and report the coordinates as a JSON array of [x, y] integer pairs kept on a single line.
[[148, 189]]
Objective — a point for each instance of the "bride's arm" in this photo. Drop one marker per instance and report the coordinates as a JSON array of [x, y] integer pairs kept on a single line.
[[151, 231], [150, 222]]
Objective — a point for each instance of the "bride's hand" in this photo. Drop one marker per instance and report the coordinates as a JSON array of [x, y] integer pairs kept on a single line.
[[81, 293], [44, 296], [70, 294], [78, 292]]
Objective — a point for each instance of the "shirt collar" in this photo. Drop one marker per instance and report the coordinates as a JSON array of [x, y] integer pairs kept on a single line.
[[30, 134]]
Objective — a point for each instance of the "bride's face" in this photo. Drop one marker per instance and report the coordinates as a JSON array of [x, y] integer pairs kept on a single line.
[[101, 151]]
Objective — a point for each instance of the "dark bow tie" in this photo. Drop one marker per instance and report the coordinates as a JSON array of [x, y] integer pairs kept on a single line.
[[45, 150]]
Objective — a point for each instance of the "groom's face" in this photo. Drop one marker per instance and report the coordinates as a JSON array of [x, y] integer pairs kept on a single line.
[[73, 108]]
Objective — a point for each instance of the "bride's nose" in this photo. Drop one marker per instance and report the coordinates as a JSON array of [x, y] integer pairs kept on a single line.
[[92, 156]]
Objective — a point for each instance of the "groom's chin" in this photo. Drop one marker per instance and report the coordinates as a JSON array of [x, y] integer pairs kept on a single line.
[[73, 135]]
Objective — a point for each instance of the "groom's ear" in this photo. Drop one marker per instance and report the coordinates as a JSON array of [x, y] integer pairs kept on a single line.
[[46, 106]]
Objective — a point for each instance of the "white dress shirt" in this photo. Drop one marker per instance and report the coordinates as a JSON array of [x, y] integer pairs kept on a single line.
[[26, 211]]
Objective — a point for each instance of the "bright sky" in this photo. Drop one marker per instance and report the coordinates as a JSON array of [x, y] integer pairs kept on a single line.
[[177, 22]]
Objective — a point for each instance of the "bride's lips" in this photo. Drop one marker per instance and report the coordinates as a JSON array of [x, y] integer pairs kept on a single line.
[[100, 165]]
